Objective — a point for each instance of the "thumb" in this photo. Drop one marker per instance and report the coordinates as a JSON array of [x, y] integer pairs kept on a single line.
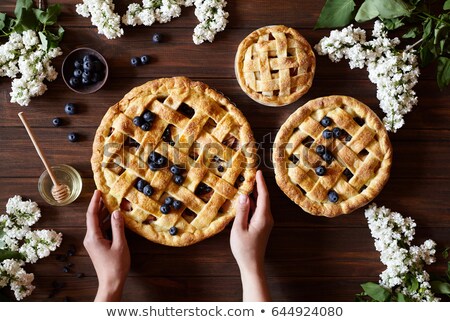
[[242, 209], [118, 230]]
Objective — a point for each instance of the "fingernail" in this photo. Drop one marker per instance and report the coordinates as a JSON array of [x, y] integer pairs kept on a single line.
[[242, 199], [116, 215]]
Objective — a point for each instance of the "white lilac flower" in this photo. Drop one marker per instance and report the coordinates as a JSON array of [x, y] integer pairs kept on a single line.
[[210, 14], [39, 243], [393, 235], [12, 273], [395, 73], [102, 16], [23, 213]]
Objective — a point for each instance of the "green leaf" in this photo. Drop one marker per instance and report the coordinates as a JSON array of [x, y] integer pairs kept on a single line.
[[414, 284], [26, 20], [445, 251], [43, 39], [49, 16], [367, 11], [336, 13], [427, 28], [389, 9], [401, 297], [376, 291], [22, 4], [54, 39], [448, 271], [447, 5], [2, 20], [443, 72], [393, 23], [8, 254], [411, 33], [440, 287]]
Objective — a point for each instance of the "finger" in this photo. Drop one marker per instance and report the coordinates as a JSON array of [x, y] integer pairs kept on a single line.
[[92, 223], [118, 230], [242, 208], [262, 192]]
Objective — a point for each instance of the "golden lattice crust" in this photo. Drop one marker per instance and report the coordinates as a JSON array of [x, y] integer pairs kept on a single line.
[[364, 149], [215, 144], [275, 65]]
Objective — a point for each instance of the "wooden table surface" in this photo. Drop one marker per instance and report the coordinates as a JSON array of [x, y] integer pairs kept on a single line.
[[308, 258]]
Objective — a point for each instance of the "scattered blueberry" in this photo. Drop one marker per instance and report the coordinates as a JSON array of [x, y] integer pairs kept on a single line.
[[140, 184], [72, 137], [177, 204], [70, 252], [138, 121], [161, 161], [74, 82], [168, 201], [148, 190], [56, 121], [80, 275], [135, 61], [66, 269], [145, 126], [320, 149], [165, 209], [326, 121], [172, 143], [145, 60], [327, 157], [220, 168], [166, 135], [175, 170], [153, 166], [156, 38], [327, 134], [348, 138], [148, 116], [241, 178], [173, 231], [178, 179], [333, 196], [337, 132], [153, 156], [320, 170]]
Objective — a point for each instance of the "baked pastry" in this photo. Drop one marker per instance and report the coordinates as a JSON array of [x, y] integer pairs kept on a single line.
[[332, 156], [174, 154], [275, 65]]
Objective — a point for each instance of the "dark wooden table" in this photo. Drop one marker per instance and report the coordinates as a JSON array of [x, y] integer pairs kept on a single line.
[[308, 258]]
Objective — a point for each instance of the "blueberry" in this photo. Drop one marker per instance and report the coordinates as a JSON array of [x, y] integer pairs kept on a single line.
[[88, 66], [138, 121], [337, 132], [66, 269], [153, 166], [177, 204], [172, 143], [333, 196], [145, 126], [327, 157], [178, 179], [208, 189], [74, 82], [77, 73], [56, 121], [148, 116], [153, 156], [156, 38], [348, 138], [327, 134], [326, 121], [86, 74], [320, 149], [173, 231], [140, 185], [168, 201], [80, 275], [72, 137], [165, 209], [85, 81], [135, 61], [161, 161], [348, 174], [145, 60], [148, 190], [320, 171], [87, 58], [78, 64], [175, 169], [220, 168], [241, 178]]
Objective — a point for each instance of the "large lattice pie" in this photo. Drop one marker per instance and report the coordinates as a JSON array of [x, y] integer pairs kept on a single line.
[[275, 65], [174, 154], [332, 156]]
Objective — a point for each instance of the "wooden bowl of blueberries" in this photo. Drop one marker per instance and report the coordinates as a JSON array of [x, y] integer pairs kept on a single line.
[[85, 70]]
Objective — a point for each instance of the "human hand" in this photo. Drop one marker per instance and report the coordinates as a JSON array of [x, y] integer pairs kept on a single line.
[[111, 259], [248, 240]]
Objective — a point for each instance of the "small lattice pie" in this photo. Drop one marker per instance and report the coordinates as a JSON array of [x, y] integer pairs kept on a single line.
[[174, 154], [275, 65], [332, 156]]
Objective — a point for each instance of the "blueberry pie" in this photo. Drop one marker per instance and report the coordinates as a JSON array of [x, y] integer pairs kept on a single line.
[[332, 156], [275, 65], [174, 154]]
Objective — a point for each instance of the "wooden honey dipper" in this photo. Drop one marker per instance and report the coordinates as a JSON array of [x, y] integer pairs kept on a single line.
[[60, 192]]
